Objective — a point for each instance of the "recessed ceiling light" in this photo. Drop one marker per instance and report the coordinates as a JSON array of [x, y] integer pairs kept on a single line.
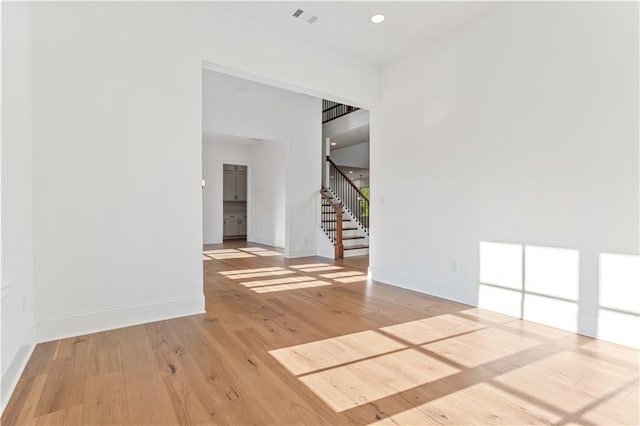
[[350, 171], [333, 144], [377, 18]]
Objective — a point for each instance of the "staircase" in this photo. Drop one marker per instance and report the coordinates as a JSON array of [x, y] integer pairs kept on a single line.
[[344, 215]]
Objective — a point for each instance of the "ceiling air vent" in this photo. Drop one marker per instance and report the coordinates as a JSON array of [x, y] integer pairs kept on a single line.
[[305, 16]]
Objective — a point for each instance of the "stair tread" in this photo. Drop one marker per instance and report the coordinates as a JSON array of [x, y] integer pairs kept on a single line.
[[334, 220], [354, 238], [344, 229], [355, 247]]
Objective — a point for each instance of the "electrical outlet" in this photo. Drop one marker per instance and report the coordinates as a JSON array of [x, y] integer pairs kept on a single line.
[[453, 266]]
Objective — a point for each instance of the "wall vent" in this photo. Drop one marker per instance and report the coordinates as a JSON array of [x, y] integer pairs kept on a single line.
[[305, 16]]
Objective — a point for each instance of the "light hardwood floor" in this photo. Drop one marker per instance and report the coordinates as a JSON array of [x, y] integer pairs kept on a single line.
[[309, 341]]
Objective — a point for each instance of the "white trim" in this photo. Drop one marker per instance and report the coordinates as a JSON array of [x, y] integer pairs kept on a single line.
[[300, 253], [265, 242], [441, 292], [236, 72], [419, 286], [10, 377], [70, 325]]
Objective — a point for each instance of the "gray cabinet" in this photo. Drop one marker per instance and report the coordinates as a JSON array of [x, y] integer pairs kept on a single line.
[[243, 224], [234, 183], [241, 185], [235, 224]]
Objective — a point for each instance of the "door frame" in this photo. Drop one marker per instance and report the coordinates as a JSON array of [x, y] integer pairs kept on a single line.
[[221, 208]]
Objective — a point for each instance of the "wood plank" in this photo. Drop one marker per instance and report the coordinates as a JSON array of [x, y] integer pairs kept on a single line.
[[344, 353]]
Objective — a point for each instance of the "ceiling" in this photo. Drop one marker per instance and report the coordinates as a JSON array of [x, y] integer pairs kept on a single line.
[[351, 137], [356, 173], [345, 26], [213, 137]]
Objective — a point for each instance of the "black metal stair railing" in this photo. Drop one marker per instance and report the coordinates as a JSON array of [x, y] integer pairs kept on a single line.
[[332, 110], [349, 195], [332, 221]]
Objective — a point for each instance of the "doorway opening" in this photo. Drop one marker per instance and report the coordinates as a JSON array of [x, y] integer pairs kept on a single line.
[[264, 152], [345, 178], [234, 202]]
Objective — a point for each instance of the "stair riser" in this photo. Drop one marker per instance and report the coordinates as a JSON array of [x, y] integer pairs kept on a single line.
[[329, 213], [358, 252], [355, 233], [358, 242], [354, 242]]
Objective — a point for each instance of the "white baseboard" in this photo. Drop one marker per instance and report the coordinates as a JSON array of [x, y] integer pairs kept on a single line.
[[419, 286], [300, 253], [265, 242], [77, 324], [14, 369], [212, 241], [628, 339]]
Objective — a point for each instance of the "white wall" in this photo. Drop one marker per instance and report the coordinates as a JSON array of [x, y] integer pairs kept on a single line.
[[215, 153], [345, 123], [353, 155], [285, 170], [117, 150], [16, 296], [521, 127], [268, 198], [266, 184]]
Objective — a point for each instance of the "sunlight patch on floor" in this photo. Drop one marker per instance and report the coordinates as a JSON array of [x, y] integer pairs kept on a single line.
[[321, 268], [224, 256], [434, 328], [521, 378], [353, 279], [293, 282], [292, 286], [333, 352], [240, 253], [536, 331], [260, 274], [308, 265], [287, 280], [248, 271], [482, 346], [356, 384], [487, 317], [622, 405], [220, 251], [260, 251], [268, 253], [582, 379], [488, 404]]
